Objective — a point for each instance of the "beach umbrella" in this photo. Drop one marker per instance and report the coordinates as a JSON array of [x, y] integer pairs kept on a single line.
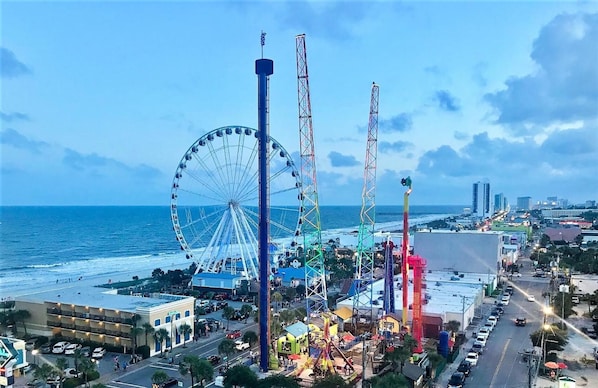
[[562, 365], [552, 365]]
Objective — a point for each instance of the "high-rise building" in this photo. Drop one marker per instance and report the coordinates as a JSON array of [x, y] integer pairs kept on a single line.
[[524, 203], [481, 200], [499, 202]]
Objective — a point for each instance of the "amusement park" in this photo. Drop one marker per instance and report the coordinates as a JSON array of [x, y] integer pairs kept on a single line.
[[232, 213]]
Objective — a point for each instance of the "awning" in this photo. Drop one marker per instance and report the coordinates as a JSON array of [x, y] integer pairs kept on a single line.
[[344, 313]]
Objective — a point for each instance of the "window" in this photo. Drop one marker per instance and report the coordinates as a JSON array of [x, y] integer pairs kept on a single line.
[[157, 322], [187, 313], [167, 319], [177, 316]]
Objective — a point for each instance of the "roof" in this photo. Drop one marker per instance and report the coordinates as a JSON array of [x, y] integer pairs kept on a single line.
[[297, 329], [393, 316], [412, 371], [344, 313], [289, 273], [222, 276]]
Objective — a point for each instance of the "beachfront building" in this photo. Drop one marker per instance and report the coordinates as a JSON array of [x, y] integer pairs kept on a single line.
[[102, 316], [480, 202], [448, 297], [463, 251]]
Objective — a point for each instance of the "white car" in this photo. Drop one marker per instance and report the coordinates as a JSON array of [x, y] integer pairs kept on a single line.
[[59, 347], [71, 373], [484, 332], [472, 357], [505, 300], [493, 319], [240, 345], [98, 353], [489, 325], [70, 349], [482, 340], [531, 298]]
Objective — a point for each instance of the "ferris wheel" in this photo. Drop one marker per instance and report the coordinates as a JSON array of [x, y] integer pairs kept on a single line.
[[214, 202]]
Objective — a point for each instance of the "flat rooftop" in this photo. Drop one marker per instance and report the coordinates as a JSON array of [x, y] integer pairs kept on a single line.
[[100, 297]]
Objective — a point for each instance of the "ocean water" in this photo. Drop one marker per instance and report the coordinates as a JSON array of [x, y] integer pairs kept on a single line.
[[42, 246]]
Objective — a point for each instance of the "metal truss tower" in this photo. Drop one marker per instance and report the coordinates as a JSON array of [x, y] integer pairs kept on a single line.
[[315, 280], [364, 267]]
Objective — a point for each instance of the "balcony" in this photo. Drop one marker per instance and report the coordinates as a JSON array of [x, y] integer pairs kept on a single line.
[[54, 323]]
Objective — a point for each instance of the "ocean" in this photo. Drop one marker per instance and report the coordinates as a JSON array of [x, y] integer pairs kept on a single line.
[[42, 246]]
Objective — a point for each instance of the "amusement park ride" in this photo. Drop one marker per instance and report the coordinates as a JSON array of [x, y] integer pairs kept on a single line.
[[213, 211]]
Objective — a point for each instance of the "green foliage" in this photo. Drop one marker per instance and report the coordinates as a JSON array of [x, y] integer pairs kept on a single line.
[[277, 297], [390, 380], [240, 375], [331, 381], [44, 371], [250, 337], [290, 293], [300, 290], [185, 330], [554, 338], [148, 330], [246, 310], [71, 383], [557, 302], [278, 381], [99, 385], [453, 326], [226, 347], [144, 351], [227, 313], [199, 369], [159, 377]]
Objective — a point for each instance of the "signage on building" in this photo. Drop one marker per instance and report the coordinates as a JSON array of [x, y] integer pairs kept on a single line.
[[7, 352]]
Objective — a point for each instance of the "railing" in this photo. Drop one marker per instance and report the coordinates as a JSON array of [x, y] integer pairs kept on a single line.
[[53, 323]]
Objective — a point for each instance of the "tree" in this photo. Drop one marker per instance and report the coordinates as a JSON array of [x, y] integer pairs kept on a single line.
[[250, 337], [287, 316], [185, 330], [240, 376], [44, 372], [159, 377], [554, 338], [199, 369], [290, 293], [227, 313], [21, 316], [331, 381], [246, 310], [390, 380], [148, 329], [399, 355], [157, 274], [277, 297], [300, 290], [278, 381], [160, 336], [453, 326], [86, 366], [226, 347], [136, 331]]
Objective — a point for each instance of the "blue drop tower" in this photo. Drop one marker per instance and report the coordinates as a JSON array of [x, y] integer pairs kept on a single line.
[[263, 68]]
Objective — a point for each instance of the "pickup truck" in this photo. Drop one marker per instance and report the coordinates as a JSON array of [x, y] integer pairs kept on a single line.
[[240, 345]]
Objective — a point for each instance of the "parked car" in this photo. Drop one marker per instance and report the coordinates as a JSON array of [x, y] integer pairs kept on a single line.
[[59, 347], [509, 290], [489, 325], [477, 347], [71, 373], [234, 334], [493, 319], [457, 380], [484, 332], [590, 332], [481, 339], [98, 353], [575, 299], [520, 321], [30, 344], [70, 349], [505, 300], [464, 367], [86, 351], [45, 349], [472, 357], [495, 314], [499, 309], [29, 368]]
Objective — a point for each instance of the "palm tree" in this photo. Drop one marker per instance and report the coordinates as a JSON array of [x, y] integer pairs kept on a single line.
[[86, 366], [185, 330], [246, 310], [199, 369], [148, 330], [135, 332], [227, 313], [44, 372], [160, 336], [21, 316], [226, 347], [250, 337], [277, 297]]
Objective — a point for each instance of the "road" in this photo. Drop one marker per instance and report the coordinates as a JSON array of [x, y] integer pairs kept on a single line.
[[501, 365]]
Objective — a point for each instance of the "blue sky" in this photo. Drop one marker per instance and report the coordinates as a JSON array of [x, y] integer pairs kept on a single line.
[[100, 100]]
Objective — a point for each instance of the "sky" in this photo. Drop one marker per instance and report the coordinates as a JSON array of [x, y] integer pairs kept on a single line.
[[101, 100]]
